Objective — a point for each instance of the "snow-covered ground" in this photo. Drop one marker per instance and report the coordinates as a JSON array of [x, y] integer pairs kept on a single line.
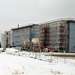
[[14, 62]]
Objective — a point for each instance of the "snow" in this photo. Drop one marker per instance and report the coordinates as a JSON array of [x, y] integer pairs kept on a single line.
[[11, 50], [1, 50], [21, 63]]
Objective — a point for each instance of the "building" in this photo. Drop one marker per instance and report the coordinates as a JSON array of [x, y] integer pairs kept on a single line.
[[58, 34], [35, 31], [22, 34], [6, 39], [3, 40], [44, 35]]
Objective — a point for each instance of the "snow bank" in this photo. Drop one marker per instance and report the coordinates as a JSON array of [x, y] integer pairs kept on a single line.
[[1, 48], [11, 50]]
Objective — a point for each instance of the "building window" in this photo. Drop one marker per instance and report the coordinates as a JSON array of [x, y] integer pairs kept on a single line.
[[17, 31], [16, 41], [17, 36]]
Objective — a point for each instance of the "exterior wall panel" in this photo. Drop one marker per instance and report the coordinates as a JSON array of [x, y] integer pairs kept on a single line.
[[20, 35], [72, 37]]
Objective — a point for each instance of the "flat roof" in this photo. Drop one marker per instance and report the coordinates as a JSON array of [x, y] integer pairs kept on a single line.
[[8, 31], [58, 20], [25, 26]]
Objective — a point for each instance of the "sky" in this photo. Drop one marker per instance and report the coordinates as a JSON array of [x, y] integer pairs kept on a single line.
[[23, 12]]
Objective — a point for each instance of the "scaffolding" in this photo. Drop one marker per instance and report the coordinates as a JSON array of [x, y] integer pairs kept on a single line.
[[45, 36], [54, 34], [63, 36]]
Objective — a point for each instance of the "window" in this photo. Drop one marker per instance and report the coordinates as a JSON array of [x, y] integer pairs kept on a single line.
[[17, 36], [16, 41], [27, 28], [17, 31]]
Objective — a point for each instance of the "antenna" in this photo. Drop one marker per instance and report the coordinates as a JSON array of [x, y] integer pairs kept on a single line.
[[18, 25]]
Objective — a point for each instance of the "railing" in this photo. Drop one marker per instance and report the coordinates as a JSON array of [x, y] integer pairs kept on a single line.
[[48, 56]]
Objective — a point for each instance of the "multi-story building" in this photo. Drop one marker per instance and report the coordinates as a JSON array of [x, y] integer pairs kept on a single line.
[[22, 34], [59, 34], [36, 31], [6, 39], [44, 35], [3, 40]]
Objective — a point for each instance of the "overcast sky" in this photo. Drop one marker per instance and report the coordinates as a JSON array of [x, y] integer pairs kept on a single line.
[[13, 12]]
